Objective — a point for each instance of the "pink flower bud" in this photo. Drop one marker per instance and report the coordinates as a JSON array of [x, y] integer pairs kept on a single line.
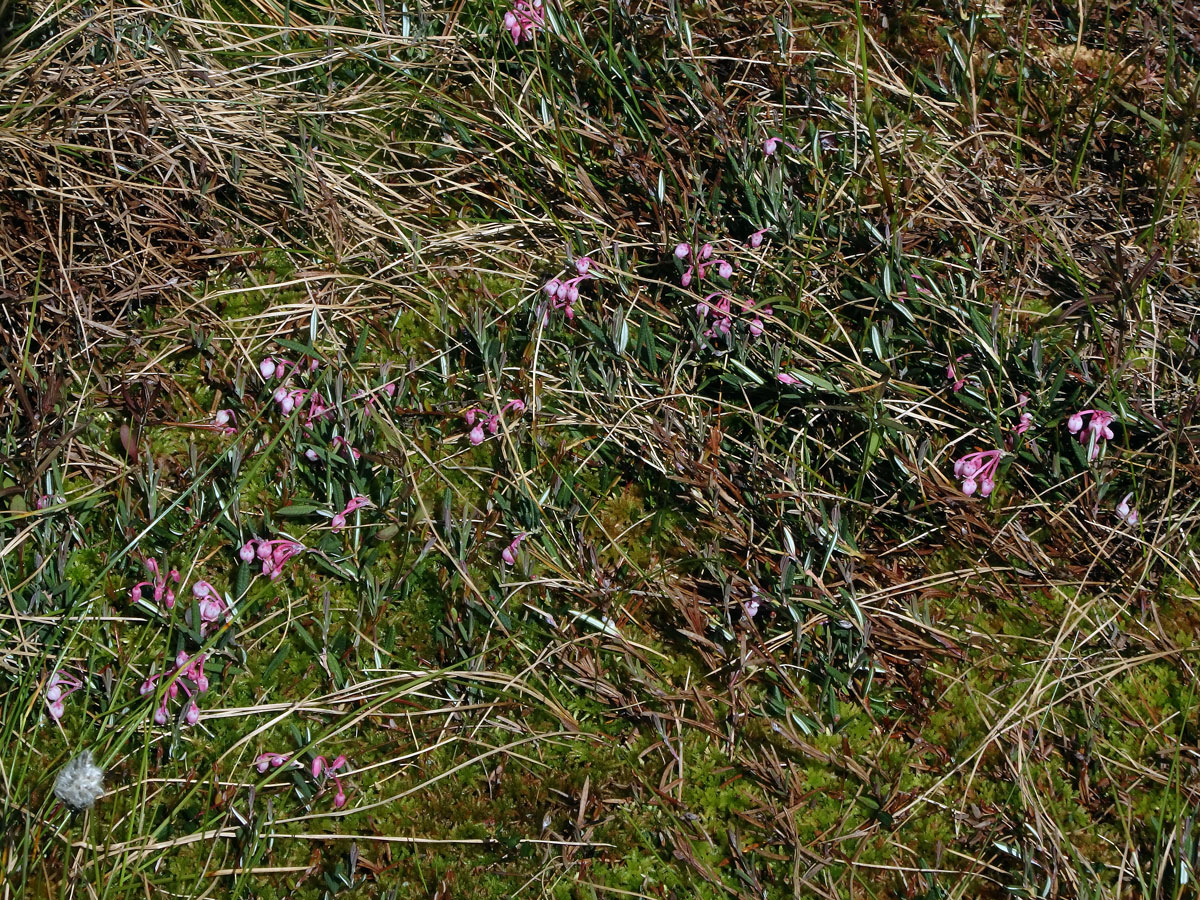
[[969, 486], [160, 716], [287, 404], [266, 368], [769, 145], [583, 264], [311, 455], [785, 378], [193, 714], [551, 286], [339, 799], [756, 327], [476, 435], [247, 552], [725, 270], [262, 763], [338, 522], [223, 417], [56, 710], [686, 278], [1075, 423], [706, 251], [318, 765], [53, 693]]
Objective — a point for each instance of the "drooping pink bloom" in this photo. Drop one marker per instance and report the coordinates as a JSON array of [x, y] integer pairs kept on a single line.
[[1125, 512], [756, 238], [357, 502], [785, 378], [322, 768], [1095, 432], [224, 421], [977, 471], [952, 374], [771, 144], [509, 553]]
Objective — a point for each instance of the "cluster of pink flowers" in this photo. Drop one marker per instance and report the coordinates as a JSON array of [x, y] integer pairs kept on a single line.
[[187, 669], [164, 595], [271, 760], [509, 553], [525, 19], [719, 307], [480, 421], [321, 768], [357, 502], [978, 471], [60, 686], [1094, 432], [564, 293], [273, 553], [700, 262], [290, 398]]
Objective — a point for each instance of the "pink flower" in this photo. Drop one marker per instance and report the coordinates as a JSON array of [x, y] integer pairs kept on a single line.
[[509, 553], [355, 503], [1095, 432], [724, 269], [682, 251], [756, 239], [977, 471], [1125, 512], [583, 264], [785, 378], [266, 368]]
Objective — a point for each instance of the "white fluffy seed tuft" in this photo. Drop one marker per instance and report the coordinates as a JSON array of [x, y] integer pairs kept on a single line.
[[81, 782]]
